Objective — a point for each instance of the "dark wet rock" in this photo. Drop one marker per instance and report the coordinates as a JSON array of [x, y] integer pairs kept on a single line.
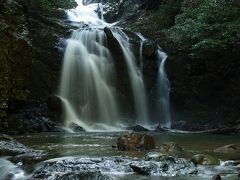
[[76, 128], [168, 166], [14, 148], [55, 103], [171, 148], [137, 128], [55, 108], [34, 118], [231, 148], [133, 141], [203, 159], [216, 177], [148, 49], [180, 125]]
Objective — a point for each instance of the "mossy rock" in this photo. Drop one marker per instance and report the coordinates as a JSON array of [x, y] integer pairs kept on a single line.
[[204, 159]]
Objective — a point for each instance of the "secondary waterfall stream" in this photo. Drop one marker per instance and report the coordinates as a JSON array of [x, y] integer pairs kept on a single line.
[[87, 87]]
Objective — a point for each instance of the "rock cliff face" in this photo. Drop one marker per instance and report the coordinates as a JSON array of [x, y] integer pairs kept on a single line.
[[16, 55], [30, 60]]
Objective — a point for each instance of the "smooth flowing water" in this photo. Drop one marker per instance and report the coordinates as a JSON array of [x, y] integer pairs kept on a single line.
[[163, 92], [135, 74], [87, 86]]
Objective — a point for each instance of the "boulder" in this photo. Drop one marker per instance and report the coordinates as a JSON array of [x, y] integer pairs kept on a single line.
[[137, 128], [76, 128], [133, 141], [203, 159]]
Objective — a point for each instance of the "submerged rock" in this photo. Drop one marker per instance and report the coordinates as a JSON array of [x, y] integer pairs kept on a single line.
[[216, 177], [171, 148], [203, 159], [135, 141], [231, 148]]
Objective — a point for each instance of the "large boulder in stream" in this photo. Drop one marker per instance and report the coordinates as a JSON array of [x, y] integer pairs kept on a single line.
[[133, 141]]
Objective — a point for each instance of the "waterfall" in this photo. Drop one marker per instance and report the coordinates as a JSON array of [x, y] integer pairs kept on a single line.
[[142, 41], [87, 83], [163, 88], [135, 74], [87, 86], [86, 80]]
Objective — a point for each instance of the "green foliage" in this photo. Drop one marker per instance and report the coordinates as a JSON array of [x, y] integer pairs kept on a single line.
[[208, 25]]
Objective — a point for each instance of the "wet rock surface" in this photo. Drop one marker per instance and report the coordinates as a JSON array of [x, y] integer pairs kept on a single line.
[[134, 141], [231, 148], [14, 148], [95, 167], [34, 118], [166, 166], [137, 128]]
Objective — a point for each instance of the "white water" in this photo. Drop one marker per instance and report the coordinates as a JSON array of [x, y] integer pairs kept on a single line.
[[163, 111], [142, 41], [86, 80], [135, 74], [10, 171], [87, 85]]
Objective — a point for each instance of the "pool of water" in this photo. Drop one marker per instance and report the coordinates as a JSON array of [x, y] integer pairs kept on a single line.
[[100, 144]]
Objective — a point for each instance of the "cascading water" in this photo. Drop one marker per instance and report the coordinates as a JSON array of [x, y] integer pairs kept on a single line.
[[87, 86], [135, 74], [163, 90], [87, 76], [142, 41]]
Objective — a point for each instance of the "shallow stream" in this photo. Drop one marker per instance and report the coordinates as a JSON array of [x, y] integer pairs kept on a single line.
[[102, 144]]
